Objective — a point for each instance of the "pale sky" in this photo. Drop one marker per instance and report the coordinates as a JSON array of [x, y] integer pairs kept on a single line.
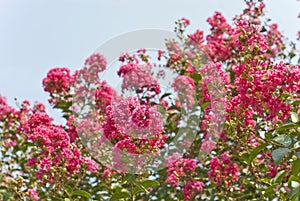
[[37, 35]]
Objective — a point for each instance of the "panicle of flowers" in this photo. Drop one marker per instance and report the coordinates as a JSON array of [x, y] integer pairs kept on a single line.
[[9, 116], [229, 44], [185, 87], [56, 157], [181, 173], [260, 90], [33, 194], [181, 25], [223, 170], [218, 41], [213, 89], [104, 95], [137, 77], [58, 80], [196, 38], [138, 128], [180, 170], [192, 189], [90, 73], [95, 64], [58, 83], [254, 10], [134, 130]]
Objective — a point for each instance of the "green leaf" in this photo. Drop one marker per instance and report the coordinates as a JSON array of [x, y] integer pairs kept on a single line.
[[174, 107], [67, 199], [270, 190], [287, 126], [294, 193], [255, 152], [204, 105], [284, 96], [296, 103], [81, 193], [283, 139], [63, 105], [119, 195], [278, 154], [293, 178], [296, 167], [139, 188], [297, 145], [129, 178], [165, 95], [292, 54], [161, 109], [68, 189], [294, 117], [196, 77], [263, 29], [278, 178], [293, 182], [150, 183]]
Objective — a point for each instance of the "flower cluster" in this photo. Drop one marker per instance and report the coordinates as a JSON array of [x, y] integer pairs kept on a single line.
[[185, 87], [179, 170], [223, 170], [33, 194], [213, 90], [104, 95], [93, 65], [58, 158], [58, 80], [225, 43], [229, 85], [260, 91], [137, 77], [181, 173], [191, 189], [58, 83], [134, 132], [138, 128]]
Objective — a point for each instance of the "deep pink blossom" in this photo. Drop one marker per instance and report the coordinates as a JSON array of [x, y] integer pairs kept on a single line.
[[58, 80], [222, 169], [178, 170], [33, 194], [191, 189]]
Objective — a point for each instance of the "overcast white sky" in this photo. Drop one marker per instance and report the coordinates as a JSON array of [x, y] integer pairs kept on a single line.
[[37, 35]]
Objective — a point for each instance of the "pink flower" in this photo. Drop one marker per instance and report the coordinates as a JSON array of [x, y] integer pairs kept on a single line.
[[222, 169], [197, 38], [33, 194], [31, 161], [136, 121], [160, 54], [96, 63], [207, 146], [58, 81], [138, 78], [191, 189], [185, 87], [104, 95], [178, 170], [3, 100], [56, 150], [186, 21]]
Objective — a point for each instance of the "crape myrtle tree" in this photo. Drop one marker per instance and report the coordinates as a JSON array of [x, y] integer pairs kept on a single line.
[[245, 142]]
